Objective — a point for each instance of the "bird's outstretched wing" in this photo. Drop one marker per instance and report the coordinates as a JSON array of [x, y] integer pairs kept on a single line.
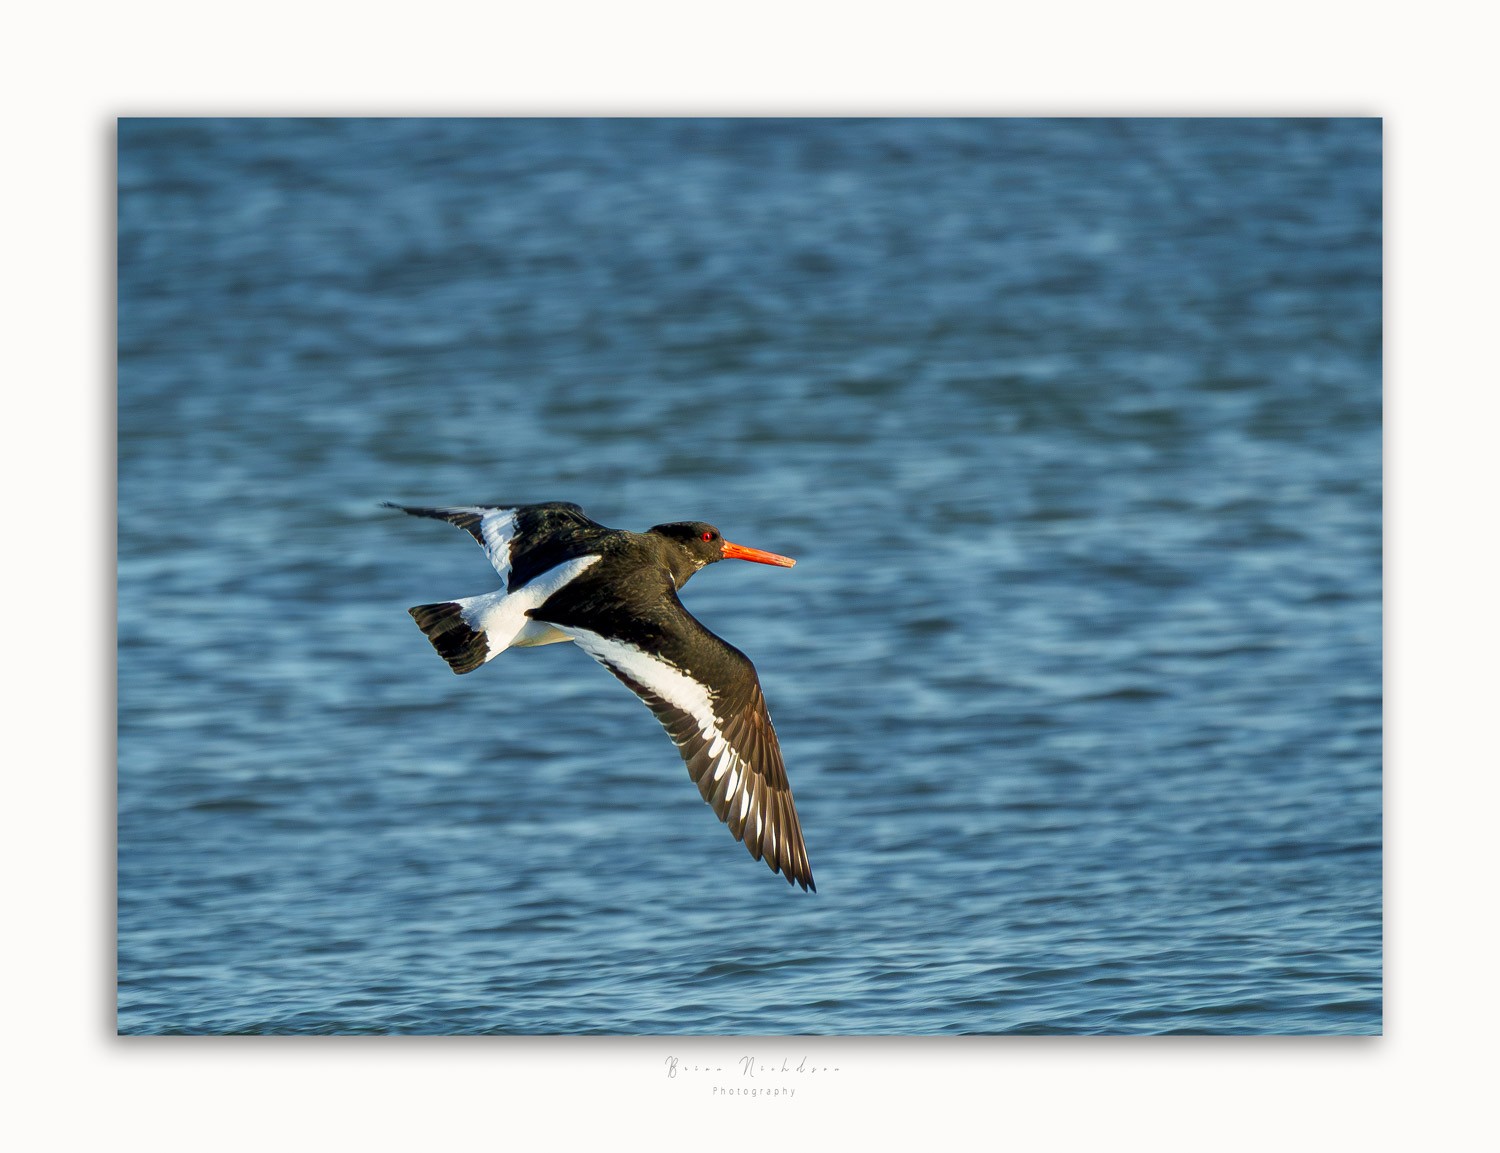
[[521, 541], [706, 694]]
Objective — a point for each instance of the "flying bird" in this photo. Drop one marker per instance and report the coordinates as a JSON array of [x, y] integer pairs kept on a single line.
[[565, 577]]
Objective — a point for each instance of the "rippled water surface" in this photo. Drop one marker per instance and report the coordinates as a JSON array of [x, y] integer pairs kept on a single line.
[[1074, 427]]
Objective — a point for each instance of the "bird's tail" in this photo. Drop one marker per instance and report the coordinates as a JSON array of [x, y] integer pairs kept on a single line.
[[457, 641]]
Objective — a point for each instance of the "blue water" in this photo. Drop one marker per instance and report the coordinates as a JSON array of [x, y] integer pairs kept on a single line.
[[1074, 427]]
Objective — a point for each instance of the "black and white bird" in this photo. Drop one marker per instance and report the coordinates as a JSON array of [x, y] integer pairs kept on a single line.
[[565, 577]]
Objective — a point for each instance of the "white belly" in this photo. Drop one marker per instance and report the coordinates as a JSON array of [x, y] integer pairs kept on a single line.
[[535, 633], [501, 616]]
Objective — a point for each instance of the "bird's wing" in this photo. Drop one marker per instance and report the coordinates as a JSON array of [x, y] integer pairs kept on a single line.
[[520, 540], [714, 711]]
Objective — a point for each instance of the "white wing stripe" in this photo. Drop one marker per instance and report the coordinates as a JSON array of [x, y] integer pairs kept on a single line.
[[679, 690], [498, 527], [669, 683]]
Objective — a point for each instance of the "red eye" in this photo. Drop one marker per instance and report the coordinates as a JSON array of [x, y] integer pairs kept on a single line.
[[708, 536]]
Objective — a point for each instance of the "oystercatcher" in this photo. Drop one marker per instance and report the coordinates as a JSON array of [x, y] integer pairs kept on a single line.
[[565, 577]]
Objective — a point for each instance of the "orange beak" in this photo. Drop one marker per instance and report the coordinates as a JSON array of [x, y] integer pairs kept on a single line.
[[740, 552]]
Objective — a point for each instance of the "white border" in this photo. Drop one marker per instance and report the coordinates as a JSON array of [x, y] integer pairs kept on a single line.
[[74, 69]]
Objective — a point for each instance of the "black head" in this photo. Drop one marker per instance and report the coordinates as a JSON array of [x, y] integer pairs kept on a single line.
[[699, 544]]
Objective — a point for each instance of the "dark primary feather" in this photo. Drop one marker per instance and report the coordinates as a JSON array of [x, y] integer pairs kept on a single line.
[[661, 626], [545, 534]]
